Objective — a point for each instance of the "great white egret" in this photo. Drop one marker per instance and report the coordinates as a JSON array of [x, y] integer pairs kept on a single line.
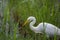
[[48, 28]]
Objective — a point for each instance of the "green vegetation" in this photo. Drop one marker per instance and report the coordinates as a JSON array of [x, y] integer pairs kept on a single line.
[[17, 11]]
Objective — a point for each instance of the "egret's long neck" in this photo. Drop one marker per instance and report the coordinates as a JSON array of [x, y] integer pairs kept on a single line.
[[32, 25]]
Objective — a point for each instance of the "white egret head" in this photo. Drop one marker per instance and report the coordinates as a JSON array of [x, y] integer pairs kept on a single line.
[[29, 19]]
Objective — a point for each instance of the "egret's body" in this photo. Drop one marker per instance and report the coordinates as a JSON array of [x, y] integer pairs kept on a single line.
[[48, 28]]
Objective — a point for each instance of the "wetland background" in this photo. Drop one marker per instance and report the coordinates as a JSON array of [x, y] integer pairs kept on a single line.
[[13, 13]]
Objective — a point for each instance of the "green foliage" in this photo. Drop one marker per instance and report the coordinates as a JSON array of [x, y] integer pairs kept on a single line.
[[43, 10]]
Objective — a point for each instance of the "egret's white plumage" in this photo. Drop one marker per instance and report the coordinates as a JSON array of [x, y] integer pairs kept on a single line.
[[48, 28]]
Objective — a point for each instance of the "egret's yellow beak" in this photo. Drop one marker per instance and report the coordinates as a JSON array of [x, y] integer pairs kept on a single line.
[[25, 22]]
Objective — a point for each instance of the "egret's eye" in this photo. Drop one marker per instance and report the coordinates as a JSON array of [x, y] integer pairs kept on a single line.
[[29, 20]]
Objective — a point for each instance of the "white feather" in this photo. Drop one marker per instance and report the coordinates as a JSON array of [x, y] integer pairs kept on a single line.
[[48, 28]]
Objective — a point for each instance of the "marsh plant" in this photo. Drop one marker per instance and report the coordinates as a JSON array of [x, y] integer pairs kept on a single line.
[[15, 12]]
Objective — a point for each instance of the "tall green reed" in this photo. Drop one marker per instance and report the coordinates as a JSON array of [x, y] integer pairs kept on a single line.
[[43, 10]]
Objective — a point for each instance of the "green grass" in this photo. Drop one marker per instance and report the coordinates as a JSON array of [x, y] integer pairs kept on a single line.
[[43, 10]]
